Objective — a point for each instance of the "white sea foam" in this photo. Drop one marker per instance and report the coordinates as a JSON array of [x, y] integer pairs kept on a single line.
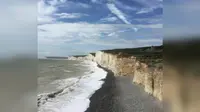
[[67, 71], [77, 64], [76, 92]]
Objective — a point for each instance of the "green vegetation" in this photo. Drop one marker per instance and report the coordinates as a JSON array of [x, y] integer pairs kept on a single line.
[[153, 55]]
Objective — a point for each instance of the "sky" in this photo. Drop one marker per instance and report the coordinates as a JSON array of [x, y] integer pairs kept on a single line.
[[67, 27], [71, 27]]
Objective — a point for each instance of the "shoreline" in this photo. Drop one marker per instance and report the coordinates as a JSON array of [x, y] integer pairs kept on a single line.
[[75, 92], [103, 97], [119, 94]]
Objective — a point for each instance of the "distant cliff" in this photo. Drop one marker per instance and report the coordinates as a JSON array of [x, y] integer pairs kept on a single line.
[[143, 64]]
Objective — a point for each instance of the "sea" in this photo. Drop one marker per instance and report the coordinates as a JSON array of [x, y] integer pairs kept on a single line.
[[67, 85]]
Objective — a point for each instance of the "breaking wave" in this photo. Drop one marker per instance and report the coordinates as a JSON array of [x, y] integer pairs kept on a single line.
[[73, 92]]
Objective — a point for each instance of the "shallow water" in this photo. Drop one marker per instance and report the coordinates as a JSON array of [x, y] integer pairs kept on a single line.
[[52, 71], [64, 85]]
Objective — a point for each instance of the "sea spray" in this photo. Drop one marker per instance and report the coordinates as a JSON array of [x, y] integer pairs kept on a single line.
[[75, 94]]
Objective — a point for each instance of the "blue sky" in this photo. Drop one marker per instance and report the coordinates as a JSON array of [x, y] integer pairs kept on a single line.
[[69, 27]]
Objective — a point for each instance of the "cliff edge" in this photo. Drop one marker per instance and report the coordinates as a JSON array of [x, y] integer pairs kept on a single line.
[[143, 64]]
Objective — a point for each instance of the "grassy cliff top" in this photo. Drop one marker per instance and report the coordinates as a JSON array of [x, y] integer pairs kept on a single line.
[[132, 51], [151, 55], [141, 52]]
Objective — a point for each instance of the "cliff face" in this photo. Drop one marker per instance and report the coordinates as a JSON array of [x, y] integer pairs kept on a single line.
[[118, 64], [150, 78], [144, 73], [143, 64]]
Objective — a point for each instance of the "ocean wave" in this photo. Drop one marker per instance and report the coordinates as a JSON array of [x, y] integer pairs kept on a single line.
[[73, 94], [61, 86], [67, 71]]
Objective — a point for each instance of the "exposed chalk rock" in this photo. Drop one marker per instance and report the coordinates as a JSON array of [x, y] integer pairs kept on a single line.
[[144, 64]]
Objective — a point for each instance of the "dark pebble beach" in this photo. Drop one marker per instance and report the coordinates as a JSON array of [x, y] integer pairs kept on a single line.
[[119, 94]]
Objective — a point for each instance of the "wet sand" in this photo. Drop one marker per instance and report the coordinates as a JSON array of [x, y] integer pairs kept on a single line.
[[119, 94]]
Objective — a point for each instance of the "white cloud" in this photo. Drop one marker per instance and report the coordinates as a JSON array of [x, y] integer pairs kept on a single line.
[[122, 5], [149, 9], [108, 19], [83, 5], [72, 29], [151, 40], [149, 20], [45, 19], [94, 1], [120, 31], [53, 2], [59, 34], [117, 12], [144, 10], [45, 12], [70, 15], [56, 2], [150, 26], [64, 29], [123, 43], [84, 32], [112, 34], [44, 9], [56, 34], [76, 35]]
